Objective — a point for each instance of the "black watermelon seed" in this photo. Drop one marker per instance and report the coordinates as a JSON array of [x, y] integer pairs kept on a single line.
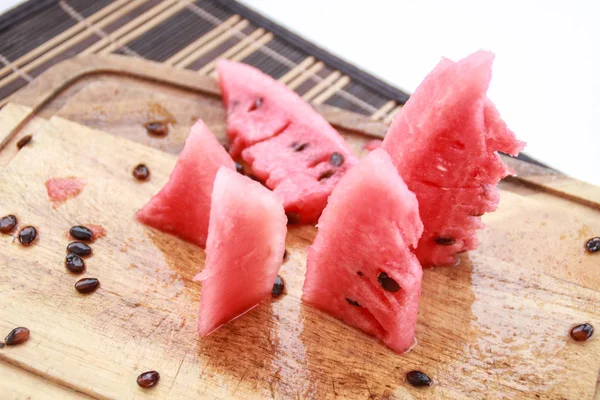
[[593, 245], [299, 146], [226, 147], [293, 217], [23, 141], [141, 172], [87, 285], [326, 174], [336, 159], [1, 345], [352, 302], [81, 232], [388, 283], [27, 235], [359, 273], [285, 255], [8, 223], [278, 287], [418, 378], [74, 263], [79, 248], [239, 167], [445, 241], [157, 128], [582, 332], [17, 336], [477, 214], [148, 379], [256, 104]]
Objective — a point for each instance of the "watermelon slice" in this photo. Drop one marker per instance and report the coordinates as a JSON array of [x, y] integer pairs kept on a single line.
[[290, 146], [364, 272], [444, 143], [182, 207], [244, 251]]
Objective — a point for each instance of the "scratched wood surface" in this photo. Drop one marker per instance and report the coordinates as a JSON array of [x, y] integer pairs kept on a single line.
[[496, 326]]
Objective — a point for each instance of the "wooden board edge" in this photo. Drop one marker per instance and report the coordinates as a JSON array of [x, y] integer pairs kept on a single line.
[[59, 77]]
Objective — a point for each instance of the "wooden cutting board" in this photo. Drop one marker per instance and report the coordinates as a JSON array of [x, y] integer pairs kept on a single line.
[[496, 326]]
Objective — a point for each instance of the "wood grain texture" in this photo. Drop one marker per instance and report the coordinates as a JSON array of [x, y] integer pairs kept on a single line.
[[495, 326]]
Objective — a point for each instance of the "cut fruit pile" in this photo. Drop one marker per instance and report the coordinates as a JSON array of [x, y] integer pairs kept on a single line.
[[415, 201]]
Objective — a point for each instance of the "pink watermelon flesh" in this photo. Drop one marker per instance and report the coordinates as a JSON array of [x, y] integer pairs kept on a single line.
[[351, 252], [182, 207], [444, 143], [244, 251], [288, 144]]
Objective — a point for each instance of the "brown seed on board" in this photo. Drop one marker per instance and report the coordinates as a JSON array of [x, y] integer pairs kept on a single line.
[[27, 235], [445, 241], [593, 245], [87, 285], [17, 336], [388, 283], [148, 379], [157, 128], [336, 159], [81, 232], [582, 332], [418, 378], [8, 223], [293, 217], [278, 287], [23, 141], [74, 263], [141, 172], [79, 248]]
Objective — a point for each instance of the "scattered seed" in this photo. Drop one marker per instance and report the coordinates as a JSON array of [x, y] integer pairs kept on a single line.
[[81, 232], [141, 172], [23, 141], [239, 167], [27, 235], [285, 255], [87, 285], [445, 241], [359, 273], [256, 104], [418, 379], [148, 379], [352, 302], [157, 128], [79, 248], [17, 336], [388, 283], [299, 146], [593, 245], [278, 287], [326, 174], [336, 159], [292, 217], [477, 214], [582, 332], [8, 223], [74, 263]]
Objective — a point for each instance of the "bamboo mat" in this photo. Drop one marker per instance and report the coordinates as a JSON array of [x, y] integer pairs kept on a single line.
[[185, 34]]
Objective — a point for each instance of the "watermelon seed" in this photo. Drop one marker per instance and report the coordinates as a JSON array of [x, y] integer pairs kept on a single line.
[[445, 241], [8, 223], [81, 232], [148, 379], [256, 104], [352, 302], [27, 235], [418, 379], [226, 147], [359, 273], [278, 287], [336, 159], [581, 332], [74, 263], [239, 168], [79, 248], [299, 146], [157, 128], [477, 215], [17, 336], [87, 285], [388, 283], [326, 174], [285, 255], [23, 141], [141, 172], [293, 217], [593, 245]]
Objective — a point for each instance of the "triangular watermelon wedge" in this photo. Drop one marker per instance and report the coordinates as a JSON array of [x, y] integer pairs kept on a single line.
[[244, 251], [361, 268], [182, 207], [445, 143], [290, 146]]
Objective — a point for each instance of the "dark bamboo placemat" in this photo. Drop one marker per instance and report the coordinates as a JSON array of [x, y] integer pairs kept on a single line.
[[185, 34]]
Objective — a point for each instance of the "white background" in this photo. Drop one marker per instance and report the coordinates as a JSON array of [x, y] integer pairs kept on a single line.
[[546, 76], [546, 80]]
